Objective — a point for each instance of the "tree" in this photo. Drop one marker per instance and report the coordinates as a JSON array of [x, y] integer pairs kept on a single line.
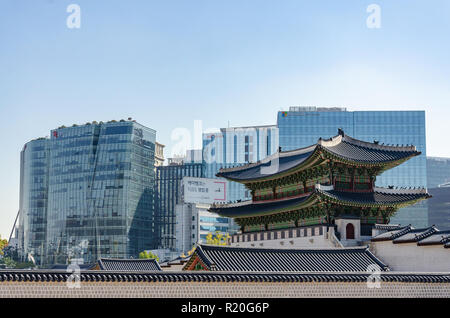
[[148, 255], [3, 244], [217, 239]]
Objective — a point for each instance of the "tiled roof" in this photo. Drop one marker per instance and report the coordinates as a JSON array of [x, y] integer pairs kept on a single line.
[[380, 197], [140, 265], [236, 259], [211, 277], [340, 146], [357, 150], [409, 234], [437, 238], [415, 235], [258, 208], [387, 227]]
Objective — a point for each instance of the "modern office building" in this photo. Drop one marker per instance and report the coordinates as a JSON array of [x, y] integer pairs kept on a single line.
[[34, 176], [237, 146], [302, 126], [438, 172], [87, 192], [168, 180]]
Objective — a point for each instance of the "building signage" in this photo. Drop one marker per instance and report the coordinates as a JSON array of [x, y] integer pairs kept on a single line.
[[203, 190]]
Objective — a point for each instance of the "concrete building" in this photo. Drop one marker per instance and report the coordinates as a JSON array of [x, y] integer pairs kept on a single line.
[[159, 154]]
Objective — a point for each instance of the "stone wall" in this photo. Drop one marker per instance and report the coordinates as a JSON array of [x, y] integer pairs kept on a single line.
[[222, 289]]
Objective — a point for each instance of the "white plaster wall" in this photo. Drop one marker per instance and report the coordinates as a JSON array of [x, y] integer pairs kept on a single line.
[[412, 258], [342, 224]]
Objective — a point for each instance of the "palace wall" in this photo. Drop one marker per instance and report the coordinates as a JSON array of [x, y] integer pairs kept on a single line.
[[411, 257], [222, 289]]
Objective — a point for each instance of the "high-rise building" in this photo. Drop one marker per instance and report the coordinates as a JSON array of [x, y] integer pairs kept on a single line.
[[237, 146], [302, 126], [87, 192], [168, 184], [34, 175], [438, 172]]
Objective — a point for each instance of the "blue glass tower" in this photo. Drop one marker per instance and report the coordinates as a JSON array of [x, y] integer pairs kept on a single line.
[[99, 197], [34, 163], [302, 126]]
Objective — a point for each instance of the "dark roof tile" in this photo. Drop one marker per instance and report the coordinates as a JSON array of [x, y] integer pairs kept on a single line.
[[236, 259], [140, 265]]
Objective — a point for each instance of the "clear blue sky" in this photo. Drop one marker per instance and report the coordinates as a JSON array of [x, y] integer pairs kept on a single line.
[[168, 63]]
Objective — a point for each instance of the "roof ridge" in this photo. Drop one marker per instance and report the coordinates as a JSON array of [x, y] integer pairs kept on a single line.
[[402, 232], [252, 249], [372, 145], [398, 190], [267, 159]]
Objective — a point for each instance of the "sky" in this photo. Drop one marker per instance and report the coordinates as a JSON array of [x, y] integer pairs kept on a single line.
[[169, 63]]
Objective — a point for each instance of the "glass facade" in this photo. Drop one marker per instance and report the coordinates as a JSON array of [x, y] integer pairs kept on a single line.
[[101, 181], [237, 146], [304, 126], [168, 179], [438, 172], [33, 199]]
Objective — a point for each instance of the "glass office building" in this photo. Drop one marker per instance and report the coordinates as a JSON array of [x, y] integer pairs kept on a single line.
[[236, 146], [438, 172], [168, 185], [99, 196], [33, 199], [303, 126]]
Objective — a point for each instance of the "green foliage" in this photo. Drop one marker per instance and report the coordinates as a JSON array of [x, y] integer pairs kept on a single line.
[[148, 255], [3, 244], [217, 239], [10, 263]]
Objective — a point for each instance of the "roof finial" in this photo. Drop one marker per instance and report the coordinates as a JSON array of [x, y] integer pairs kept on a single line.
[[341, 132]]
